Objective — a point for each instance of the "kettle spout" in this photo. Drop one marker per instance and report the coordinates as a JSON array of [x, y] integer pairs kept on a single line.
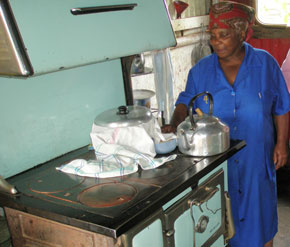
[[188, 144]]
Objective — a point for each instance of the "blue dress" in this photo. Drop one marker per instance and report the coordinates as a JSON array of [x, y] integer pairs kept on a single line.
[[247, 107]]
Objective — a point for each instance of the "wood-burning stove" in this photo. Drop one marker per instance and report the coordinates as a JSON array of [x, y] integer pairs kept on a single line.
[[154, 205]]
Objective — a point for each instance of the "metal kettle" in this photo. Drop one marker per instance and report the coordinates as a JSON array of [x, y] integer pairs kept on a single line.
[[202, 134]]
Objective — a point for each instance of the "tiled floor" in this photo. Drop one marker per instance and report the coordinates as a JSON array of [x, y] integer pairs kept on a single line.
[[282, 238]]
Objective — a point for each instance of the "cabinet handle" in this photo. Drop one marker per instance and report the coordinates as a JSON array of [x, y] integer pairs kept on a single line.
[[100, 9], [6, 187], [209, 192]]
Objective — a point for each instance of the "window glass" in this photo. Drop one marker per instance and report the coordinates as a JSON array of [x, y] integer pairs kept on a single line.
[[273, 12]]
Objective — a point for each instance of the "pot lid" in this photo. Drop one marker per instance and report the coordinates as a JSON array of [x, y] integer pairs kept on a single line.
[[124, 116]]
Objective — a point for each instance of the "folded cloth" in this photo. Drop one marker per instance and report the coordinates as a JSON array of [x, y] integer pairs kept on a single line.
[[103, 168], [121, 162], [135, 138], [119, 151]]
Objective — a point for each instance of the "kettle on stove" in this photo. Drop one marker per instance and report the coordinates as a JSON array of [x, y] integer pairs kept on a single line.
[[202, 134]]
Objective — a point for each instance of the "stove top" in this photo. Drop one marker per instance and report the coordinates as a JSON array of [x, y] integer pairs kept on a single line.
[[106, 205], [106, 196]]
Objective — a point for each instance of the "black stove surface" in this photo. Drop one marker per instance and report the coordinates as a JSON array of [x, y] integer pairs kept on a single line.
[[93, 204], [47, 183]]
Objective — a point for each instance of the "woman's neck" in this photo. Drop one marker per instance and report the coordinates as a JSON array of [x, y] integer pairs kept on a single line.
[[235, 59], [231, 65]]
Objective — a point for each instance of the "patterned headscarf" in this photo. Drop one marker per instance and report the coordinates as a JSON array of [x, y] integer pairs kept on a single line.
[[232, 15]]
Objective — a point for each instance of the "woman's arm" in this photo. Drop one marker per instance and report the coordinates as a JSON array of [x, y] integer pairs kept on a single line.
[[180, 113], [280, 155]]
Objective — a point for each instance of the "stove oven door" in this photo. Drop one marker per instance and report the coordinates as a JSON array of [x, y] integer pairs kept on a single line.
[[147, 233], [198, 219]]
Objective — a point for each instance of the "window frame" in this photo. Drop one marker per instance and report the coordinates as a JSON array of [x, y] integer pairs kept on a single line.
[[263, 23], [264, 30]]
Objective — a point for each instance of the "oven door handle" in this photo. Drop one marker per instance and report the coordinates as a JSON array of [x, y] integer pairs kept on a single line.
[[101, 9], [209, 192]]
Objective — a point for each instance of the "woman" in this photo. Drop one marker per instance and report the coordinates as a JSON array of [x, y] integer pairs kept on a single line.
[[249, 92]]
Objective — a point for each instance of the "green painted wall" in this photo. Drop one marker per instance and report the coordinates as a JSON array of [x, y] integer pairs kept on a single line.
[[46, 116]]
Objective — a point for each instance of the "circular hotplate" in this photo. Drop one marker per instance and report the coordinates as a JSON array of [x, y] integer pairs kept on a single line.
[[107, 195]]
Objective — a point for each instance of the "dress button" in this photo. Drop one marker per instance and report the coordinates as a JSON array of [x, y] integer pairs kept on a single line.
[[235, 128], [236, 161], [233, 93], [240, 191], [242, 219]]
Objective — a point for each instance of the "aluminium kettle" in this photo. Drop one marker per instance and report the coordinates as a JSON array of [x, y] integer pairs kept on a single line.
[[202, 134]]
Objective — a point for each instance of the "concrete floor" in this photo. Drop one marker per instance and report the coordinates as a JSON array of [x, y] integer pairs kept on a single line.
[[4, 233], [282, 239]]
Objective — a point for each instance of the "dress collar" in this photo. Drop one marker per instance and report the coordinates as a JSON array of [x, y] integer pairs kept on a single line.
[[250, 60]]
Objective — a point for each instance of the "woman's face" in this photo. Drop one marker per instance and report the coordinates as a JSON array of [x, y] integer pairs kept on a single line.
[[225, 42]]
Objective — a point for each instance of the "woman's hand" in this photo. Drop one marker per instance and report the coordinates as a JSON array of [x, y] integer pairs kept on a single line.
[[178, 116], [280, 155], [168, 128]]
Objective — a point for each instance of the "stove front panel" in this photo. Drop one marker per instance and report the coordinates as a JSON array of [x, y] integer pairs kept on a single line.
[[198, 219]]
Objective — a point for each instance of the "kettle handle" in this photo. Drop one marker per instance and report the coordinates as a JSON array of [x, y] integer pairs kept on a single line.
[[191, 105]]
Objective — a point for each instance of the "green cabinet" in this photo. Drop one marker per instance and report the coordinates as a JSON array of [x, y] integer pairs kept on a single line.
[[55, 37]]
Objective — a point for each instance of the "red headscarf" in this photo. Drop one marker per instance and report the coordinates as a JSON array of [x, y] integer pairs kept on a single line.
[[226, 14]]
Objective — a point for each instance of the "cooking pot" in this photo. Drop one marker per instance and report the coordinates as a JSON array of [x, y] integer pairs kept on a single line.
[[202, 134], [128, 126]]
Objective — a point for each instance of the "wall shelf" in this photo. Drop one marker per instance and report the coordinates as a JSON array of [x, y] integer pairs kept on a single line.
[[190, 23]]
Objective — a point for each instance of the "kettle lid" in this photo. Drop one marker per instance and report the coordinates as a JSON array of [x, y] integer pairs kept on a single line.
[[124, 116]]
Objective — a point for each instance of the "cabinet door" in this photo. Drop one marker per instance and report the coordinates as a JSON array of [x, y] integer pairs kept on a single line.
[[56, 39]]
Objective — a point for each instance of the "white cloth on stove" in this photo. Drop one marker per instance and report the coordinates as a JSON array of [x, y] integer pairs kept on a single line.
[[119, 151]]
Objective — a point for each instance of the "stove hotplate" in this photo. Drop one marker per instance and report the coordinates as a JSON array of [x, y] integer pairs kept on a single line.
[[107, 195]]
